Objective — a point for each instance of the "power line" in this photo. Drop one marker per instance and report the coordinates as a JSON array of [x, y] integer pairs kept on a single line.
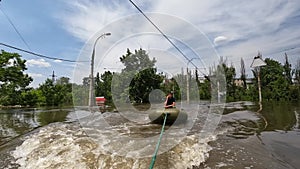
[[39, 55], [164, 35], [15, 28], [23, 50]]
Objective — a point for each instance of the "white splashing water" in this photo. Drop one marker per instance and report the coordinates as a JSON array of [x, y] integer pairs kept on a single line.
[[63, 145]]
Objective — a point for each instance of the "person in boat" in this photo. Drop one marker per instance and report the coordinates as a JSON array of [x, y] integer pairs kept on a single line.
[[170, 101]]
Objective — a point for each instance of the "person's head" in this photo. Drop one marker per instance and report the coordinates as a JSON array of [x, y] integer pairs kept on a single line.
[[170, 94]]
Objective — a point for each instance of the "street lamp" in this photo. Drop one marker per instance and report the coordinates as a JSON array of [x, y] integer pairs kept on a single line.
[[257, 63], [91, 91]]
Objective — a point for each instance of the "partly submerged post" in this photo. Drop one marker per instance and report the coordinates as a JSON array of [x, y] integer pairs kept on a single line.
[[257, 63]]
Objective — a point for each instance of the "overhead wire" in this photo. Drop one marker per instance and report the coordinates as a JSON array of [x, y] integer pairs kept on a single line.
[[164, 35], [15, 28], [26, 44], [39, 55]]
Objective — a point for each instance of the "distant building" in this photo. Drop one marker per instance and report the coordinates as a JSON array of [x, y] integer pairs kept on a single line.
[[240, 83]]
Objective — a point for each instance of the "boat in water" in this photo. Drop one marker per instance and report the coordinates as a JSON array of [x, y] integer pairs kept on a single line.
[[173, 114]]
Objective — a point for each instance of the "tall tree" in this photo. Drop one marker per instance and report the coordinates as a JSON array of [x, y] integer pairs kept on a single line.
[[230, 74], [13, 80], [243, 73], [48, 91], [288, 70], [145, 77], [56, 94], [63, 81], [103, 85], [137, 61], [98, 86], [275, 85]]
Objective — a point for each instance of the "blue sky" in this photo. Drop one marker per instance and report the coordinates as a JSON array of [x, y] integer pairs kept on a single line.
[[67, 29]]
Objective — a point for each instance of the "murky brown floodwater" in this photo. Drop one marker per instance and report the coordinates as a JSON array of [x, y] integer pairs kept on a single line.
[[57, 139]]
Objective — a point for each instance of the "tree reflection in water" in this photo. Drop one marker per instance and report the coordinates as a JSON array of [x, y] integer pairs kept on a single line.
[[16, 122]]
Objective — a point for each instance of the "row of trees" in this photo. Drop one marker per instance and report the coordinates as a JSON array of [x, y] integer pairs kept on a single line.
[[14, 84], [140, 77], [277, 81], [140, 73]]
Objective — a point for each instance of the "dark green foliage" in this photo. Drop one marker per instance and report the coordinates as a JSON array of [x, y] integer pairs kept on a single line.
[[80, 94], [103, 85], [139, 70], [143, 83], [171, 85], [13, 80], [137, 61], [275, 85], [139, 78], [243, 73], [30, 98], [204, 90], [287, 70], [57, 94]]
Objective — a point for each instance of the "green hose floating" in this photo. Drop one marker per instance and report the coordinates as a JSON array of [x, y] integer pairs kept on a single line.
[[158, 143]]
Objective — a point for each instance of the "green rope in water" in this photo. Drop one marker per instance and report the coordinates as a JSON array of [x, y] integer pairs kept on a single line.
[[158, 143]]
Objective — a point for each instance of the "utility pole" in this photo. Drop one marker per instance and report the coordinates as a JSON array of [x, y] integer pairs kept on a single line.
[[188, 86]]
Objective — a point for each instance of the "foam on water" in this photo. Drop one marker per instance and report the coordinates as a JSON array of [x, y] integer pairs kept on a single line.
[[63, 145]]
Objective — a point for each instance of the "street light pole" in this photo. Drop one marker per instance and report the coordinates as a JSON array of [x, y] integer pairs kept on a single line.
[[257, 63], [91, 91]]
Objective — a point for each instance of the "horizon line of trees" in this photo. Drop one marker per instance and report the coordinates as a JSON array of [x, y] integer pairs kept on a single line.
[[280, 82]]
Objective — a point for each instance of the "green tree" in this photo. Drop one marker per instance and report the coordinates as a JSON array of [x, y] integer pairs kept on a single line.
[[137, 61], [243, 73], [30, 98], [230, 77], [171, 85], [57, 94], [288, 70], [204, 90], [13, 80], [103, 85], [48, 92], [80, 94], [139, 68], [275, 85]]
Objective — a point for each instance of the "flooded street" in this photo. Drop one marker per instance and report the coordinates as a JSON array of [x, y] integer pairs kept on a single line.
[[65, 138]]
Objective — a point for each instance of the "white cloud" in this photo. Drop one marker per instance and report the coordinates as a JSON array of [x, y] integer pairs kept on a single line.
[[220, 39], [35, 75], [37, 63], [89, 17], [249, 26], [57, 61]]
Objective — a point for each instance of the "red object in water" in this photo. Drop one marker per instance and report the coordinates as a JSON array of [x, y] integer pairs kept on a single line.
[[100, 100]]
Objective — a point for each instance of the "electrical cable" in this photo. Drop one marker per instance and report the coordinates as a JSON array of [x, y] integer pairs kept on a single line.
[[165, 36], [39, 55], [26, 44], [15, 28]]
